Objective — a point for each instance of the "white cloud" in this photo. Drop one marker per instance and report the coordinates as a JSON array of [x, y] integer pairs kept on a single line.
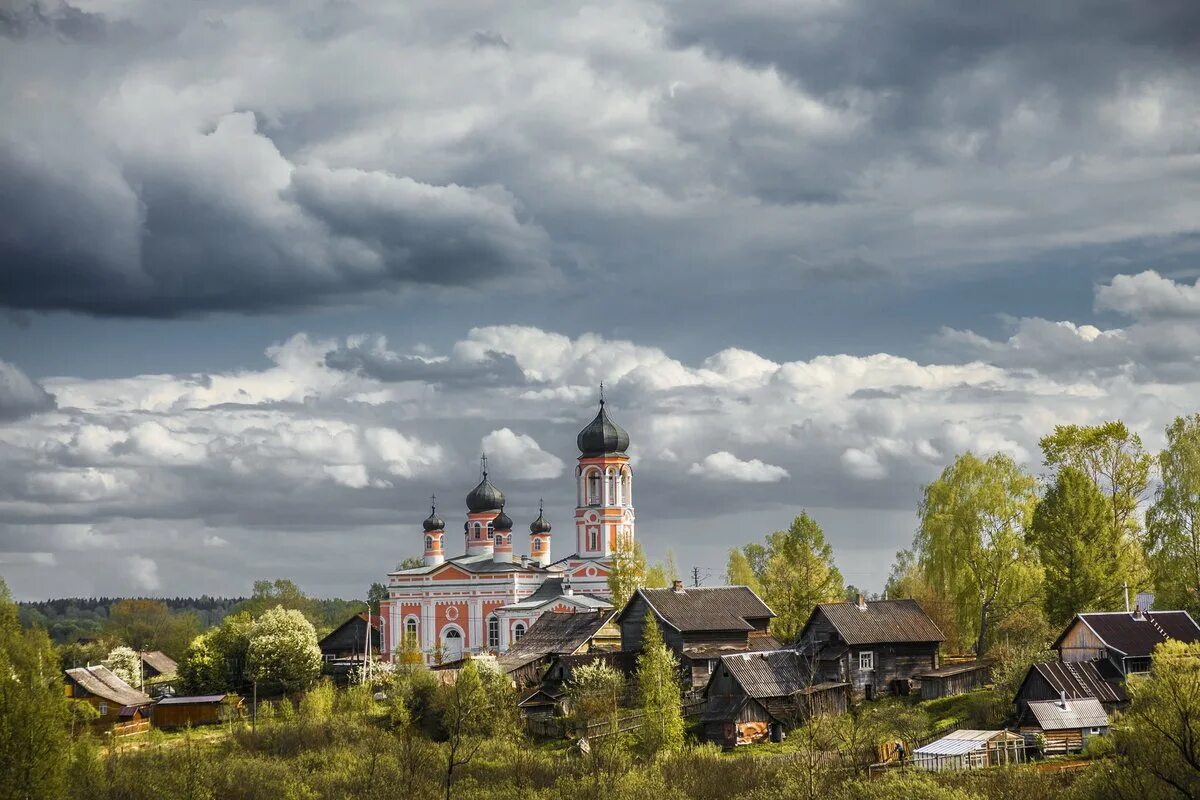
[[143, 573], [863, 464], [519, 456], [1148, 295], [726, 466]]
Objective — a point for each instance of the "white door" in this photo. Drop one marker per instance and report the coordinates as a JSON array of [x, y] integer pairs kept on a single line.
[[452, 645]]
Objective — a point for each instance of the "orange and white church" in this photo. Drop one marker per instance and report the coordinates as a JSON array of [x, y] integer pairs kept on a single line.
[[485, 599]]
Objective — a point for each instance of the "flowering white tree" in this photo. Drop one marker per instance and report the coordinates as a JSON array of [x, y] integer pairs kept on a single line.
[[126, 664], [283, 650]]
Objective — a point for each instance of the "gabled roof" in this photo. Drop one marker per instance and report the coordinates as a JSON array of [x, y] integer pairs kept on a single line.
[[555, 633], [1131, 634], [376, 623], [960, 742], [481, 563], [775, 673], [199, 699], [102, 682], [1077, 680], [1058, 715], [716, 608], [160, 661], [555, 589], [879, 621]]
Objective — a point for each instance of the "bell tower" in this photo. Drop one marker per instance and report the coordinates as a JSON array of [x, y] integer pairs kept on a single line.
[[604, 515]]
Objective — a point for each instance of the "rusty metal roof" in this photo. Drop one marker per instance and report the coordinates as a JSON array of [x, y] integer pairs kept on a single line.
[[879, 621]]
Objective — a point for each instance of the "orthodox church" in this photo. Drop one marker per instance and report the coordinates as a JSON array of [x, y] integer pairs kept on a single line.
[[484, 599]]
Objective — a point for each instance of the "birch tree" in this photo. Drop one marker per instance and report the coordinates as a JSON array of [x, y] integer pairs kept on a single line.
[[1173, 520]]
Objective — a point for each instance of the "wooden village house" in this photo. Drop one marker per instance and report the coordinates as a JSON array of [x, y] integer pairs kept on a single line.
[[211, 709], [755, 696], [1070, 680], [1123, 639], [108, 694], [876, 646], [1065, 724], [699, 624], [348, 641], [558, 634]]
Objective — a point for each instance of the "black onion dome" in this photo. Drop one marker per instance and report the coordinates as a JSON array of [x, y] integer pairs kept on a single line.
[[602, 436], [539, 525], [502, 522], [433, 522], [485, 497]]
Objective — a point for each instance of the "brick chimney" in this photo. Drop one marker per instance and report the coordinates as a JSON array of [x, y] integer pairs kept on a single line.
[[677, 587]]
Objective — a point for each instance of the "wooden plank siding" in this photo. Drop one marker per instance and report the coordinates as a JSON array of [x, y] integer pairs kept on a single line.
[[1080, 643]]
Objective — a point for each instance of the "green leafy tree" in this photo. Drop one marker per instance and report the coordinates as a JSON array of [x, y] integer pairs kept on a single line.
[[658, 694], [126, 664], [738, 572], [216, 659], [1078, 547], [33, 711], [971, 541], [476, 707], [799, 574], [151, 625], [283, 593], [1173, 520], [628, 572], [283, 651], [594, 694], [376, 593]]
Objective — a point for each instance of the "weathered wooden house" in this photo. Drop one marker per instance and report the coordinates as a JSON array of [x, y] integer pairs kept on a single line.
[[699, 624], [348, 641], [953, 679], [1125, 640], [558, 634], [157, 664], [754, 696], [104, 691], [876, 646], [969, 749], [1072, 680], [209, 709], [1065, 724]]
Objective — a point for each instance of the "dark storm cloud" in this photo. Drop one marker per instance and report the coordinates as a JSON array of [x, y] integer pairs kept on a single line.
[[494, 369]]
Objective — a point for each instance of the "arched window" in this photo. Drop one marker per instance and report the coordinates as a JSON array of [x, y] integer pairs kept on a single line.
[[428, 542], [493, 633], [593, 539], [611, 489], [593, 490], [478, 531], [410, 629], [625, 496], [518, 631], [537, 545], [491, 531]]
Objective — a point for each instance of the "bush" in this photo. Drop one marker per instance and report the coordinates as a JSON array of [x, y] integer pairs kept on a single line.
[[1098, 747]]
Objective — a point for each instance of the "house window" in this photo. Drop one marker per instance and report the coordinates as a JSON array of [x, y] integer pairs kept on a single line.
[[103, 709], [866, 661], [1094, 731], [518, 631], [491, 531], [493, 632]]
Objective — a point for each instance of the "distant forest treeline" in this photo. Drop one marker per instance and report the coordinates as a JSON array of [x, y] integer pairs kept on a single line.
[[69, 619]]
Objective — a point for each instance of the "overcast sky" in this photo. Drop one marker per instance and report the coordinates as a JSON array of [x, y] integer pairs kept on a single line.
[[274, 272]]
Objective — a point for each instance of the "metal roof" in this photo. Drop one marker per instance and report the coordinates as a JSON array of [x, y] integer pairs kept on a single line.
[[715, 608], [954, 669], [964, 741], [102, 682], [879, 621], [1077, 679], [555, 634], [1059, 715], [1133, 634], [602, 436], [776, 673], [160, 661], [198, 699], [482, 563]]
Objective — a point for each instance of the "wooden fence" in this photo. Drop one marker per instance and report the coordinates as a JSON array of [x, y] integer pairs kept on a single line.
[[551, 727], [130, 728]]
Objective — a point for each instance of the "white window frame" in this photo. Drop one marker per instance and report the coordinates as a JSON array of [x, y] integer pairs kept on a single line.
[[518, 631], [493, 632], [866, 661], [103, 709]]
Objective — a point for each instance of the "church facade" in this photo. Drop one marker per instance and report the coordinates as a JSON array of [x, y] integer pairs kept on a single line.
[[485, 598]]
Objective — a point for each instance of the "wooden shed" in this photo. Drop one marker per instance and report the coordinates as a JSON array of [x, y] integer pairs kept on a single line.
[[1075, 680], [954, 679], [196, 710], [969, 749], [1066, 725]]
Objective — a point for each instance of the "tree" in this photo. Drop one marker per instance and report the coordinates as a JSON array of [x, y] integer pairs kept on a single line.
[[1158, 740], [971, 540], [283, 652], [1173, 520], [33, 711], [376, 593], [282, 593], [628, 572], [150, 625], [1112, 457], [594, 693], [670, 569], [658, 693], [656, 577], [216, 659], [907, 581], [799, 574], [739, 573], [1078, 547], [472, 709], [126, 664]]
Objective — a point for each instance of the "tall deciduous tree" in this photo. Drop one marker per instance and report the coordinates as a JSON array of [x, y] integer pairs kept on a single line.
[[1079, 549], [283, 650], [476, 707], [628, 572], [971, 540], [151, 625], [216, 659], [799, 573], [738, 572], [33, 711], [658, 693], [1173, 520], [126, 664]]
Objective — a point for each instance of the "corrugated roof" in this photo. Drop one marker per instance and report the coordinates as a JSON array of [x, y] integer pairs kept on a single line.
[[198, 699], [774, 673], [102, 682], [1078, 679], [711, 608], [961, 742], [880, 621], [160, 661], [555, 633], [954, 669], [1059, 715], [556, 589], [1134, 635]]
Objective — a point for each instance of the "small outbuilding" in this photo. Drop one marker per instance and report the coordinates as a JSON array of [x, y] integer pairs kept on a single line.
[[1058, 680], [969, 749], [1065, 725], [954, 679], [196, 710]]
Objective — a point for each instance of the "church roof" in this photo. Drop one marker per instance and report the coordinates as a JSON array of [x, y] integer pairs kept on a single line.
[[602, 436], [481, 563], [485, 497], [553, 589]]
